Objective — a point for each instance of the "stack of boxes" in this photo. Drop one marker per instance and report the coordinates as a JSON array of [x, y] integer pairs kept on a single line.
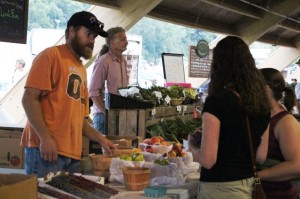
[[11, 153]]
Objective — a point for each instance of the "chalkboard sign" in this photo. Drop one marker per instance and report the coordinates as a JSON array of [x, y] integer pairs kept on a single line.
[[13, 20], [173, 67], [199, 67]]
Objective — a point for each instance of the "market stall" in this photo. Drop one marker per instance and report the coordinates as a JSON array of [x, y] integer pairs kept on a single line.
[[131, 114], [70, 186], [29, 187], [139, 127]]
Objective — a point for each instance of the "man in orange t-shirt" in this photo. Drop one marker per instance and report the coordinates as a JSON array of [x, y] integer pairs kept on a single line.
[[56, 101]]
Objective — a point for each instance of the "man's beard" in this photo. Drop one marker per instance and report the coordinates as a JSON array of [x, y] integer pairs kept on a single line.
[[85, 51]]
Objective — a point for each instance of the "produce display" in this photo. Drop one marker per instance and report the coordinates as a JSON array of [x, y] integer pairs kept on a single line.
[[173, 130], [177, 151], [168, 162], [189, 95], [133, 157], [158, 144], [162, 161]]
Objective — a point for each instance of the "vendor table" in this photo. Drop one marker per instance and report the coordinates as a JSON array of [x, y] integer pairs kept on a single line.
[[187, 191]]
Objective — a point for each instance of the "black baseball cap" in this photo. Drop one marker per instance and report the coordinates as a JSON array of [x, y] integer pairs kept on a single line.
[[87, 20]]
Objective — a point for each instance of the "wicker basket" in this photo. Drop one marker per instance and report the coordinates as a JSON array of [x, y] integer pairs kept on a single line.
[[136, 178], [176, 102], [101, 165]]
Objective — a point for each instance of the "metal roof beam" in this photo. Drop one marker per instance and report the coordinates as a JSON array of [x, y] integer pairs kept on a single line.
[[236, 7], [175, 17], [286, 24], [251, 31], [276, 41]]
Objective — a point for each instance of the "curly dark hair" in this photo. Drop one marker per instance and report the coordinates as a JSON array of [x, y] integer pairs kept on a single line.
[[233, 66], [275, 80]]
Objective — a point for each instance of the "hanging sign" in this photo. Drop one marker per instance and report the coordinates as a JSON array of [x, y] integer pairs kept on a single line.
[[202, 48], [199, 67], [13, 20]]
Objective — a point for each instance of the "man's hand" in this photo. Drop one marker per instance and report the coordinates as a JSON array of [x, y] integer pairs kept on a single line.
[[107, 145], [48, 149]]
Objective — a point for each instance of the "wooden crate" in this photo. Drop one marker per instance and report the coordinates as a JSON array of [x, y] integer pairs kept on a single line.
[[131, 122], [168, 113]]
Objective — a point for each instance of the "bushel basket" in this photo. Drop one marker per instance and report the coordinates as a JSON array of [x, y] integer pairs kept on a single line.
[[136, 178]]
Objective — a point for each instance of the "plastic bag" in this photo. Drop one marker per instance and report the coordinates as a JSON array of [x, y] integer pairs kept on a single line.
[[185, 164], [150, 157], [164, 175]]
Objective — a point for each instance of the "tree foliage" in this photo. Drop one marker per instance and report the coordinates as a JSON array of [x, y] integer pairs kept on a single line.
[[52, 14], [161, 37], [158, 36]]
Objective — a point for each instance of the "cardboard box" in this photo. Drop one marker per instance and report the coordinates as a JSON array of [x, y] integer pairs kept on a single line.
[[122, 141], [18, 186], [11, 153], [125, 141]]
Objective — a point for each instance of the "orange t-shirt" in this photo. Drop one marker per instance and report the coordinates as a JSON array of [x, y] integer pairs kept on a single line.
[[59, 74]]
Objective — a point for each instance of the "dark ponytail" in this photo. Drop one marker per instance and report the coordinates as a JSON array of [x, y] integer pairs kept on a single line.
[[104, 50], [274, 79], [289, 98]]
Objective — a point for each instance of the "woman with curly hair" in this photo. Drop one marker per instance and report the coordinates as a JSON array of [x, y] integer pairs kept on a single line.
[[236, 90], [283, 157]]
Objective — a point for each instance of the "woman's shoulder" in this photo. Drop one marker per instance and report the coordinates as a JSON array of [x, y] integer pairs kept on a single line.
[[279, 116], [287, 123], [286, 119]]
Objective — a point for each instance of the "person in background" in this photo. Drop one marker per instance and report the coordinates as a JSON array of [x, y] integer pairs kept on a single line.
[[55, 101], [109, 74], [297, 93], [236, 90], [298, 62], [18, 72], [294, 83], [283, 159], [103, 50]]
